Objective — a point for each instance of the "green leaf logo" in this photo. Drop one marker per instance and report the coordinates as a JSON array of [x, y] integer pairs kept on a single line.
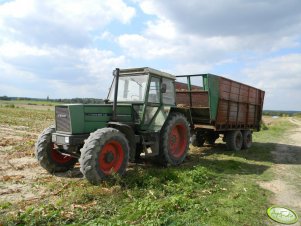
[[282, 215]]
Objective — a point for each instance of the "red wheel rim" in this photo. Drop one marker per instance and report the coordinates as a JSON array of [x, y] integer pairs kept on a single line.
[[177, 141], [58, 157], [111, 157]]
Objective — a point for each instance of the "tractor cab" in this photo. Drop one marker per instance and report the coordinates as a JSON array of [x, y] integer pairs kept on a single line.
[[149, 91]]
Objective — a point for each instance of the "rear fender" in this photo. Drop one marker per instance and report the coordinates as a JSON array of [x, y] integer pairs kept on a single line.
[[185, 112]]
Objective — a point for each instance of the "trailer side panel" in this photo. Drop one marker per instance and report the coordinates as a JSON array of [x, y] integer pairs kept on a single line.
[[239, 106]]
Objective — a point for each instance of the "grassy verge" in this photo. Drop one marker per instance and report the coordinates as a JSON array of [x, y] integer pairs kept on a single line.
[[212, 187]]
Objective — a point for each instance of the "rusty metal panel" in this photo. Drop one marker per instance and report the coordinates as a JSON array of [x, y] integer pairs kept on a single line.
[[240, 105], [183, 86], [194, 98]]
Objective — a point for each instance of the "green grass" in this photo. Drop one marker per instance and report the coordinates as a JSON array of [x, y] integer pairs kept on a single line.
[[274, 132], [212, 187]]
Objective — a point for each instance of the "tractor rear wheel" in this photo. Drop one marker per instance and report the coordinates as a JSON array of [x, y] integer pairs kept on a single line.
[[234, 140], [104, 153], [49, 157], [174, 142], [247, 139]]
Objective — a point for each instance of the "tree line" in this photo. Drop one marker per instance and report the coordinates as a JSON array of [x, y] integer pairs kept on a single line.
[[60, 100]]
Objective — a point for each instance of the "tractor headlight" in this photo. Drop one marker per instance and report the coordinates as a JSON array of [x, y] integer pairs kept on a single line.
[[67, 140]]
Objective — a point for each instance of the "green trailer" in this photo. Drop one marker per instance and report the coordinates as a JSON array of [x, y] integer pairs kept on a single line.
[[147, 114], [220, 107]]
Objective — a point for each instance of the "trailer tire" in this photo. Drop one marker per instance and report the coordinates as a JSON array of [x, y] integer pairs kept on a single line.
[[104, 153], [197, 139], [174, 142], [48, 157], [234, 140], [247, 139]]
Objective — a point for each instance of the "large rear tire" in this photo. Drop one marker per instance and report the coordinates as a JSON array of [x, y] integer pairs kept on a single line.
[[174, 142], [104, 153], [234, 140], [48, 157], [247, 139]]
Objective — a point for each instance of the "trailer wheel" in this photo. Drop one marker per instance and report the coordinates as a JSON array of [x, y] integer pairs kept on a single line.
[[104, 153], [174, 142], [197, 139], [234, 140], [247, 139], [48, 157]]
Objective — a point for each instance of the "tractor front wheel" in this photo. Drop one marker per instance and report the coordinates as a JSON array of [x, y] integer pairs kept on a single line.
[[104, 153], [174, 143], [49, 157]]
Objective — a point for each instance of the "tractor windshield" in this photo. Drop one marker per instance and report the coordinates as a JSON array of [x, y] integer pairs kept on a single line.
[[130, 88]]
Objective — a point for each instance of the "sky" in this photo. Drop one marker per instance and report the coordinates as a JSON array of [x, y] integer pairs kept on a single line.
[[66, 49]]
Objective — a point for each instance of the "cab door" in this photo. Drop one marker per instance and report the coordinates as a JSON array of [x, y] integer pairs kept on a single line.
[[152, 102], [159, 99]]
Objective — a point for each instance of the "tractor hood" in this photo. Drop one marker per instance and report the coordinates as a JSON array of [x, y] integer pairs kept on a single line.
[[86, 118]]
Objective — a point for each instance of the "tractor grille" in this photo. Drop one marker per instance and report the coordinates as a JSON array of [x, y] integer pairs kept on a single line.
[[62, 119]]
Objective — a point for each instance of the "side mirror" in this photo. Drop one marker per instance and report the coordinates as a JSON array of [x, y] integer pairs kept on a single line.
[[163, 88]]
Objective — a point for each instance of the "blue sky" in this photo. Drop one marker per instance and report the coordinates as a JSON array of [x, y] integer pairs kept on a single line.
[[66, 49]]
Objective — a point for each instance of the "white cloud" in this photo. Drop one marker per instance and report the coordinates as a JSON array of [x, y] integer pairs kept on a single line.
[[88, 14], [139, 46], [91, 14], [215, 29], [280, 77], [56, 22], [15, 49], [234, 17], [64, 72], [48, 47]]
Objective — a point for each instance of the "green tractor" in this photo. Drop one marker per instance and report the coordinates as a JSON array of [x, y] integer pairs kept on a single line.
[[138, 118]]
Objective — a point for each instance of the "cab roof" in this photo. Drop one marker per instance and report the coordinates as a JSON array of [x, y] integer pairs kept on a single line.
[[146, 70]]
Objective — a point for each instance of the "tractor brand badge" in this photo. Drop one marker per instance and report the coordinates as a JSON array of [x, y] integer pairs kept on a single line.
[[282, 215]]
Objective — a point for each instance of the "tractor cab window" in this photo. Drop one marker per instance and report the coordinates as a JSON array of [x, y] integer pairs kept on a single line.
[[169, 95], [154, 91], [130, 88]]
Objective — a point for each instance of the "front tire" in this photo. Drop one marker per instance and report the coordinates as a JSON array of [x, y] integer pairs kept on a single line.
[[48, 157], [174, 142], [104, 153]]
